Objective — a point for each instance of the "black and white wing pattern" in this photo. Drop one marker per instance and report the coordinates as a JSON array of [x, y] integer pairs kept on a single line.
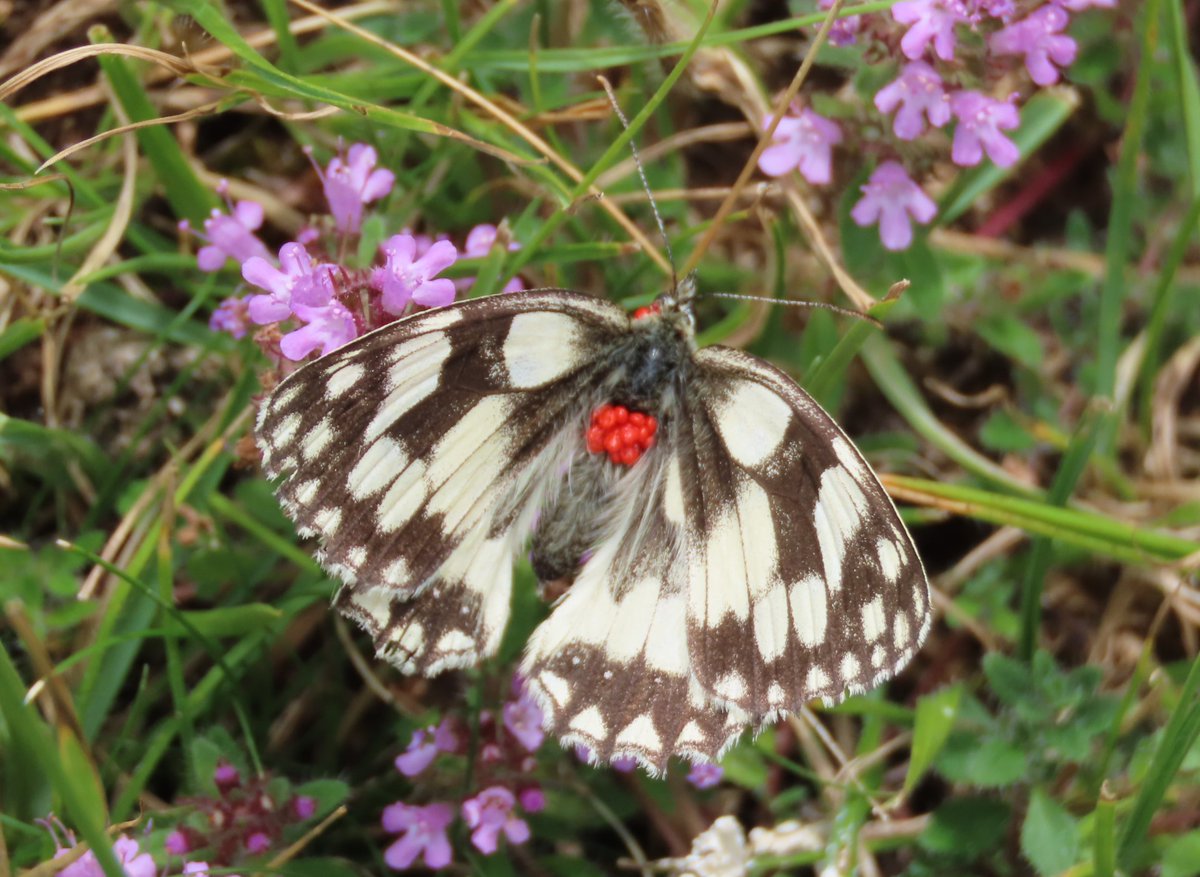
[[419, 453], [742, 563], [802, 581]]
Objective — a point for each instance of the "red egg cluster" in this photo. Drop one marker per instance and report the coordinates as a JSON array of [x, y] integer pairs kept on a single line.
[[622, 434], [647, 311]]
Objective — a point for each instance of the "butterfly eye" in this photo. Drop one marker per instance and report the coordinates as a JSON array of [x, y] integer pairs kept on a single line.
[[622, 434]]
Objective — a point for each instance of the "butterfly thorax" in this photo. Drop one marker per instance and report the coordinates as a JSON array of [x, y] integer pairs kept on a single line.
[[648, 370]]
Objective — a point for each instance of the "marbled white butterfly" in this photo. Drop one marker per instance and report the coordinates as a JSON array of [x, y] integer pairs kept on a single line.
[[730, 554]]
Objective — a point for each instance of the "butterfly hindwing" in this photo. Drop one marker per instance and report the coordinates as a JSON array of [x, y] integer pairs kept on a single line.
[[415, 451], [804, 582], [610, 666]]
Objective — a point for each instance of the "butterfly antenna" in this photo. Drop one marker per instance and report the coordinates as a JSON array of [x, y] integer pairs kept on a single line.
[[846, 312], [637, 160]]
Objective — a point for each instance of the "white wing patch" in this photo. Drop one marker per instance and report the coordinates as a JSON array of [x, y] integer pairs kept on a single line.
[[541, 347], [752, 421]]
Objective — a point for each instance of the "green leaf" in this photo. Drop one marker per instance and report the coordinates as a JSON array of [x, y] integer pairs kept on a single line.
[[1001, 432], [966, 826], [223, 621], [18, 333], [936, 714], [990, 762], [321, 867], [1013, 338], [1181, 858], [1049, 835], [328, 793], [1010, 680]]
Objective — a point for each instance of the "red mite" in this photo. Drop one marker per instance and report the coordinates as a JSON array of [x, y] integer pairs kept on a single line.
[[622, 434]]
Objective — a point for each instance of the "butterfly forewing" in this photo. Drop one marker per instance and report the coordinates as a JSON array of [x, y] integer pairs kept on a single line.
[[419, 452], [804, 583]]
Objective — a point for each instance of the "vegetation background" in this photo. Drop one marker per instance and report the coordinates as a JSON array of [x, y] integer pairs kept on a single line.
[[1033, 399]]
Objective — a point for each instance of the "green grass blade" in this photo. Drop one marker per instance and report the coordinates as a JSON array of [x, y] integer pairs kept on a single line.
[[1073, 463], [1189, 87], [1087, 530], [1181, 733], [893, 381], [1121, 215]]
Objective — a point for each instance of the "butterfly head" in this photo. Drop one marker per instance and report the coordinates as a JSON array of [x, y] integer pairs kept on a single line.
[[674, 307]]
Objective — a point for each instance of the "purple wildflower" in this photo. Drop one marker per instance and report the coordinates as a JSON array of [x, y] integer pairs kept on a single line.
[[226, 776], [1039, 37], [125, 848], [705, 775], [177, 843], [424, 746], [919, 93], [198, 869], [479, 243], [803, 142], [304, 806], [891, 198], [491, 812], [231, 236], [232, 316], [1001, 9], [930, 21], [532, 798], [404, 277], [980, 121], [424, 831], [523, 719], [624, 764], [845, 30], [328, 327], [257, 842], [301, 282], [352, 182], [1080, 5]]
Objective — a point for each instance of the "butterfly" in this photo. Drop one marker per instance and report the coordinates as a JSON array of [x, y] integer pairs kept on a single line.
[[730, 555]]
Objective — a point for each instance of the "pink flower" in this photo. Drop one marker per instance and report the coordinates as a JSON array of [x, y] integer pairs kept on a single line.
[[232, 236], [705, 775], [845, 30], [930, 21], [198, 869], [226, 776], [919, 93], [125, 848], [424, 831], [424, 746], [891, 198], [404, 277], [532, 798], [301, 282], [1040, 39], [304, 806], [479, 243], [1080, 5], [351, 183], [491, 812], [523, 719], [328, 327], [803, 142], [980, 121], [258, 842], [177, 843], [232, 316]]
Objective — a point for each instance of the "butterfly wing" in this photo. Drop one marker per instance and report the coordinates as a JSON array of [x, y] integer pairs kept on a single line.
[[419, 453], [610, 666], [802, 581]]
